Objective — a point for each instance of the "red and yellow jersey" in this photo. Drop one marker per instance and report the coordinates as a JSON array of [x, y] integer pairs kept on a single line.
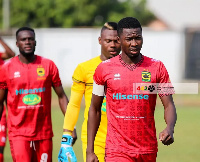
[[130, 116], [29, 97], [83, 85]]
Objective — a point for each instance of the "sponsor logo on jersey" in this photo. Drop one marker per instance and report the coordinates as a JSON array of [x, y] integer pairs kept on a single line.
[[31, 99], [119, 96], [146, 76], [17, 74], [28, 91], [117, 76]]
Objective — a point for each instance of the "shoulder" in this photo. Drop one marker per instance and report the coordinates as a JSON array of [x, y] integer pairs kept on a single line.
[[92, 61], [45, 61], [110, 62], [152, 61]]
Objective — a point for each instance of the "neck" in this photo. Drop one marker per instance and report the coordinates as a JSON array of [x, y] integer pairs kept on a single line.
[[131, 60], [26, 59], [102, 57]]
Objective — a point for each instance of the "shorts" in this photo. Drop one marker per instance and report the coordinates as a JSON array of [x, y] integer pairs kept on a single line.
[[3, 129], [99, 151], [31, 151], [117, 157]]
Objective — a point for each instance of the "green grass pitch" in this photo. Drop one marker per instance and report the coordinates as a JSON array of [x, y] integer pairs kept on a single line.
[[187, 132]]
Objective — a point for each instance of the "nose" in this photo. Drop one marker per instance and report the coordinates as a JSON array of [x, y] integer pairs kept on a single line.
[[27, 41], [112, 44], [133, 42]]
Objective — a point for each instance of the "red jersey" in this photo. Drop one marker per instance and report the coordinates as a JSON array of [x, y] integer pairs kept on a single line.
[[3, 118], [1, 60], [29, 97], [131, 126]]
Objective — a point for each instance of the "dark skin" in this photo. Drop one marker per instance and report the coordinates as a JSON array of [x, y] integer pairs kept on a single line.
[[131, 44], [26, 44], [8, 53], [110, 47]]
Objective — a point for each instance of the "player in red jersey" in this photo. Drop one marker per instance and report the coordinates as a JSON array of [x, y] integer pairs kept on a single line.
[[28, 79], [131, 133], [3, 126]]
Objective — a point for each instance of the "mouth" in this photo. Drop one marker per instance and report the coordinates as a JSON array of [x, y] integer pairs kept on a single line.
[[28, 48], [134, 50], [113, 52]]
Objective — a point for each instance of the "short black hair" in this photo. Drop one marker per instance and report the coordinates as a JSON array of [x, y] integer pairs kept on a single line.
[[24, 28], [128, 23], [109, 26]]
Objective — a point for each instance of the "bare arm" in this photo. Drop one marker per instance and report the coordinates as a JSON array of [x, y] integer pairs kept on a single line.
[[94, 118], [170, 116], [62, 98], [8, 52], [2, 97]]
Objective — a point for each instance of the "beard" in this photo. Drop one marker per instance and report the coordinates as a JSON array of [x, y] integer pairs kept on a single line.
[[27, 54], [133, 56]]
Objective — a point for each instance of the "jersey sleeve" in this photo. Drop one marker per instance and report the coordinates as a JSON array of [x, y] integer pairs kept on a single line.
[[55, 75], [165, 84], [78, 80], [3, 84], [99, 83], [98, 75], [77, 91]]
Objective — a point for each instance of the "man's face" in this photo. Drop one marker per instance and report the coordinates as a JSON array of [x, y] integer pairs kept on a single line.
[[131, 42], [110, 45], [26, 42]]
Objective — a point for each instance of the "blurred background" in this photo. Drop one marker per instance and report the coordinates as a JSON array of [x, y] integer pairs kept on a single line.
[[67, 32]]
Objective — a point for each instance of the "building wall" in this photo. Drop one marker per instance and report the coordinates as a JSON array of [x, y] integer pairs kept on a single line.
[[68, 47]]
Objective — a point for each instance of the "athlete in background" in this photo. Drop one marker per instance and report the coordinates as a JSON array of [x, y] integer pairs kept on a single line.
[[131, 134], [82, 85], [8, 53], [29, 79]]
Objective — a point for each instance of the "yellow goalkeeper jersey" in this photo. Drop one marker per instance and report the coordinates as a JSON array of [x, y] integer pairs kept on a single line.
[[83, 85]]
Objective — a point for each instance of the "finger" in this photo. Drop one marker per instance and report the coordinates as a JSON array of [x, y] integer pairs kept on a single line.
[[168, 141], [163, 136]]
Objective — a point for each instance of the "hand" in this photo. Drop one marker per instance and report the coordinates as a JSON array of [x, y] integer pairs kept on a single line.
[[166, 136], [74, 136], [91, 157], [66, 150]]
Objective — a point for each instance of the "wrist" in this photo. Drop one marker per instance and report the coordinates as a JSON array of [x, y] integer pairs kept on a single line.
[[67, 139]]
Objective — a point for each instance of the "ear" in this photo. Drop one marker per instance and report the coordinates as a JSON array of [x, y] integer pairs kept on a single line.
[[99, 40], [17, 44], [118, 39]]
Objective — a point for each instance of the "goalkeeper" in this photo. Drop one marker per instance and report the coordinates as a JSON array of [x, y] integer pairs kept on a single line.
[[83, 85]]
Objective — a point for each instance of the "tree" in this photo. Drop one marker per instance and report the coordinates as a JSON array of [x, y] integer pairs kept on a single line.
[[75, 13]]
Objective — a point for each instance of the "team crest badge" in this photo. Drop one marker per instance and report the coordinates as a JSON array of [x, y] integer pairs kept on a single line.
[[146, 76], [40, 71]]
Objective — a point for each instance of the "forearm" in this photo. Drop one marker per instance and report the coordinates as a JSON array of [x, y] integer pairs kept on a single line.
[[72, 113], [94, 118], [8, 51], [63, 101], [170, 116]]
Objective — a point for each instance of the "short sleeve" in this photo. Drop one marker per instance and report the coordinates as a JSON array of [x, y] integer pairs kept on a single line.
[[3, 84], [98, 77], [55, 75], [165, 85]]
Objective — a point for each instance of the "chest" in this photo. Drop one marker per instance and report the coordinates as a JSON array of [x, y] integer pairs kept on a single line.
[[125, 80], [31, 76]]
